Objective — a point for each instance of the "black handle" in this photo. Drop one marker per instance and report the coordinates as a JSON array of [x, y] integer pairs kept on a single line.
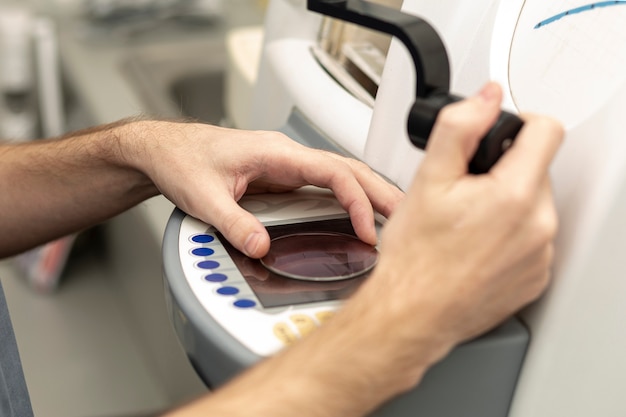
[[500, 137], [432, 70]]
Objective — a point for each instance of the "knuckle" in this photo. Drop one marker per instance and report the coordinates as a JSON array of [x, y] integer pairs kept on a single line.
[[542, 278], [451, 118], [542, 227], [343, 166], [518, 200], [359, 166], [273, 136], [546, 226], [550, 125], [279, 136]]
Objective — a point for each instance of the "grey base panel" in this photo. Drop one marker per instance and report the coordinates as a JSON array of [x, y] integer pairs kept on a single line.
[[477, 379]]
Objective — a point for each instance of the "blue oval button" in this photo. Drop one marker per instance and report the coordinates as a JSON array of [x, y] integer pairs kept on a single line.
[[244, 303], [228, 291], [203, 251], [202, 238], [216, 278], [208, 264]]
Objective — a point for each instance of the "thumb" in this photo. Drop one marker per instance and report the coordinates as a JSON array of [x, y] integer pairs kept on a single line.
[[457, 132]]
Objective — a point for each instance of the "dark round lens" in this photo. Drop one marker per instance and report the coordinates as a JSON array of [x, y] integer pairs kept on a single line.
[[320, 256]]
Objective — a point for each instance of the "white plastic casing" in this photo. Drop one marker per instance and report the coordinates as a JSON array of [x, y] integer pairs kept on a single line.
[[573, 69]]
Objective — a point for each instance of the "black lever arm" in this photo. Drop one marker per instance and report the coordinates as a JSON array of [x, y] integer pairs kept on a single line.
[[432, 71], [420, 38]]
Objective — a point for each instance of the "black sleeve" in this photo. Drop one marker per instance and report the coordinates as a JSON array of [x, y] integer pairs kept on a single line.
[[14, 398]]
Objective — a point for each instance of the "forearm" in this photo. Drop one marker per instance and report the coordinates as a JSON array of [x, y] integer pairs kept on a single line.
[[54, 187], [58, 186]]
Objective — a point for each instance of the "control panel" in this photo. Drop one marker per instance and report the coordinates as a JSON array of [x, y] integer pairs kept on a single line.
[[262, 308]]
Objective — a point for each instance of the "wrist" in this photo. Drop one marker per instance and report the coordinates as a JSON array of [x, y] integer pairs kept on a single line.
[[129, 143], [401, 341], [362, 355], [128, 140]]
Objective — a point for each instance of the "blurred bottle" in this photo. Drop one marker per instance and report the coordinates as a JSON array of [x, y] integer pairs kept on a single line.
[[18, 110], [31, 106]]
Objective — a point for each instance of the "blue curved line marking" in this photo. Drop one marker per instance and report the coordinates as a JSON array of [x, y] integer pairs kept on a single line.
[[580, 9]]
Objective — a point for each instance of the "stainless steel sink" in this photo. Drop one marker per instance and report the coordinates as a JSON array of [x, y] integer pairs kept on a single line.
[[183, 79]]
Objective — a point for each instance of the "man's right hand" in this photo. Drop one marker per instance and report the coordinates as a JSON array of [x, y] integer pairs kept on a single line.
[[463, 252]]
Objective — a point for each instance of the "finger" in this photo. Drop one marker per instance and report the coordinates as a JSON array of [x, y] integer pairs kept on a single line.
[[325, 170], [355, 201], [351, 194], [241, 228], [457, 132], [527, 161], [383, 195]]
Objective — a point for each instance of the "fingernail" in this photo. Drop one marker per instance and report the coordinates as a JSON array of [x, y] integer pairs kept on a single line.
[[489, 92], [252, 243]]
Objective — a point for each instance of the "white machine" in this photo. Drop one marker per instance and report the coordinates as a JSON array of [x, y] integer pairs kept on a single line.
[[564, 58]]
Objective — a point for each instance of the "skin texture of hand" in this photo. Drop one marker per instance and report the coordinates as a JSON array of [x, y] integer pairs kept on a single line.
[[459, 255], [60, 186], [213, 169]]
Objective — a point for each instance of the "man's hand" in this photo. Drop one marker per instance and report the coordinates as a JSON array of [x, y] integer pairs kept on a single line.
[[463, 252], [205, 170]]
